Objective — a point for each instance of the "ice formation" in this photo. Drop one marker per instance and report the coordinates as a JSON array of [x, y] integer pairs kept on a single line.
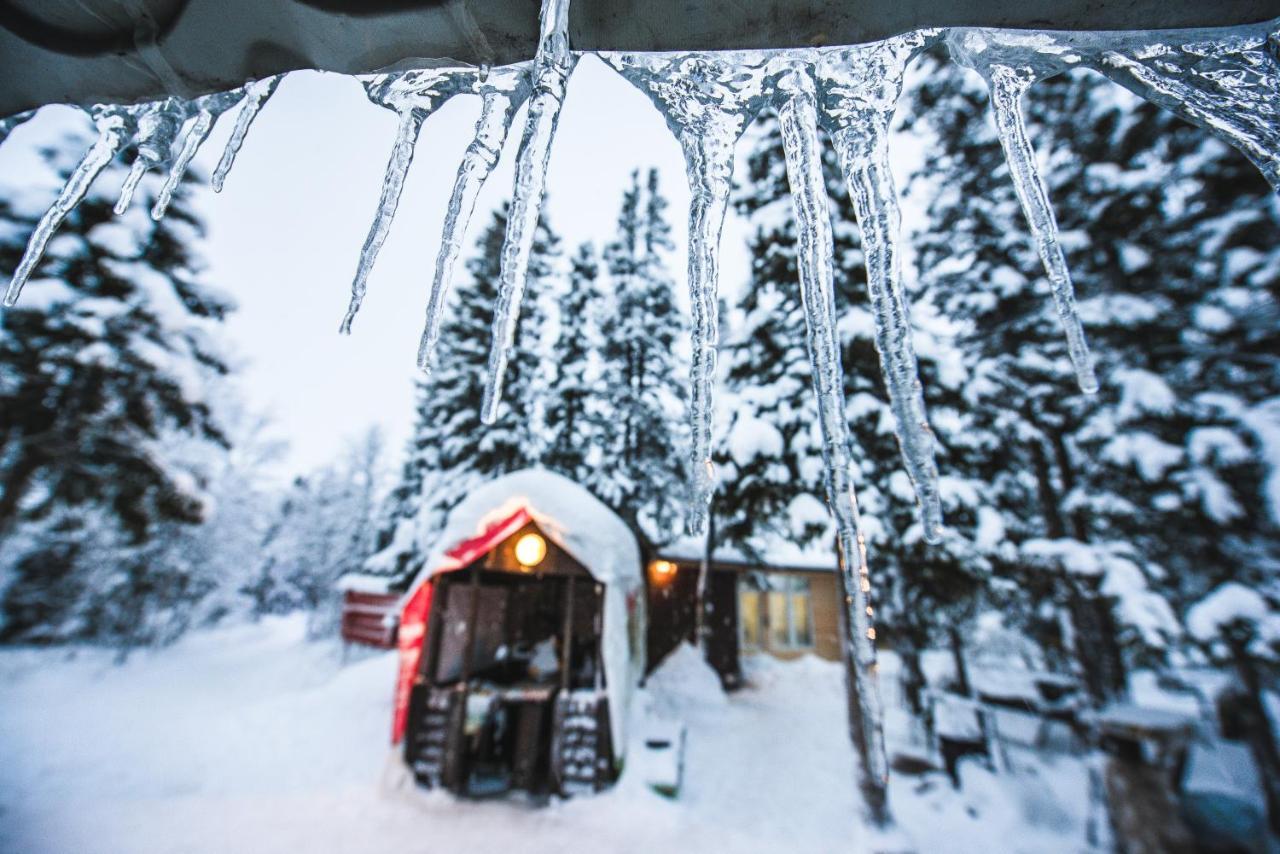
[[708, 100], [798, 113], [255, 97], [116, 125], [502, 91], [159, 124], [413, 95], [552, 67], [207, 110], [859, 90], [1225, 80]]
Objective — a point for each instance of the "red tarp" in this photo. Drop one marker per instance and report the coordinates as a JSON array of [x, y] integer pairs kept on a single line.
[[417, 608]]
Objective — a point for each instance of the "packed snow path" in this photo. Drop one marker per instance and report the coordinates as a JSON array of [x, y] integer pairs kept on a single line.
[[252, 740]]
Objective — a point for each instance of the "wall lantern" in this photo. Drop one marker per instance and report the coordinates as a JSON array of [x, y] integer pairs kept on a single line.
[[531, 549], [662, 571]]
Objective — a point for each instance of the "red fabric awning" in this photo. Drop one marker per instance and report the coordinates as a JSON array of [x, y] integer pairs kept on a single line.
[[417, 608]]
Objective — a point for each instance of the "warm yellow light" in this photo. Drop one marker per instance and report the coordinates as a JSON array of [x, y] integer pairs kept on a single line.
[[531, 549], [662, 570]]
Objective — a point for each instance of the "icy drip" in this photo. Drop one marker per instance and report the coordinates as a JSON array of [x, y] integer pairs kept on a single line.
[[552, 68], [1007, 86], [255, 96], [798, 115], [503, 92], [1228, 84], [208, 109], [7, 125], [707, 101], [414, 95], [116, 125], [158, 127], [860, 89]]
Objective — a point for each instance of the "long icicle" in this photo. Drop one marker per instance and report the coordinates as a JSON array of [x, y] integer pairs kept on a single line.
[[1007, 86], [115, 126], [477, 164], [709, 164], [707, 101], [552, 68], [208, 109], [158, 126], [256, 95], [861, 88], [392, 184], [798, 115]]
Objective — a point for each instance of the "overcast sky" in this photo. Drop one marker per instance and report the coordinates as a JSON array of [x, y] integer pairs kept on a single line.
[[285, 234]]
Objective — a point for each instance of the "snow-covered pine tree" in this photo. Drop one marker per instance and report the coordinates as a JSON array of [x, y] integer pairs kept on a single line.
[[644, 378], [574, 399], [450, 450], [1146, 492], [103, 362], [771, 466]]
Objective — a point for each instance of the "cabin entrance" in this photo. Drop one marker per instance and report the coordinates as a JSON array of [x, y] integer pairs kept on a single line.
[[511, 693]]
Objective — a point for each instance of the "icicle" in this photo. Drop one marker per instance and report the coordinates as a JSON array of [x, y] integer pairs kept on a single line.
[[116, 126], [256, 95], [798, 115], [707, 101], [552, 68], [1228, 83], [208, 109], [503, 92], [414, 95], [7, 125], [860, 88], [158, 126], [1007, 86]]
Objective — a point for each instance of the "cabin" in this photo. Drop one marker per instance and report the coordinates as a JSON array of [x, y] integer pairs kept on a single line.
[[521, 640], [534, 616], [785, 608]]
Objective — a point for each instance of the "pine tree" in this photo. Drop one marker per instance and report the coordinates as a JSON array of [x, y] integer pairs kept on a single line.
[[771, 466], [106, 359], [574, 399], [643, 377], [1093, 487], [450, 450]]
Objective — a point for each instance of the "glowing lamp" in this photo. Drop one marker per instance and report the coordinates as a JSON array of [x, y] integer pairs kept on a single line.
[[662, 571], [531, 549]]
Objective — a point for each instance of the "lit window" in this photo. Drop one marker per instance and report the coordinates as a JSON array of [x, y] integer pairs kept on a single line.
[[775, 612]]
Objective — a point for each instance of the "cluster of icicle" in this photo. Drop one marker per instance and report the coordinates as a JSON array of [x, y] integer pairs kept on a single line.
[[1227, 81]]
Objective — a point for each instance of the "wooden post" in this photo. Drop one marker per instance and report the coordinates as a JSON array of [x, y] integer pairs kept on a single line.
[[469, 642], [566, 636]]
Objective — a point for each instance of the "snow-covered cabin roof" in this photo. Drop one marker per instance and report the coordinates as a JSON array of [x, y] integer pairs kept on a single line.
[[773, 553], [567, 513]]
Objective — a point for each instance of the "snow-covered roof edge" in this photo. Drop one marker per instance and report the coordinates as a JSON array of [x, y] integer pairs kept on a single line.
[[565, 511]]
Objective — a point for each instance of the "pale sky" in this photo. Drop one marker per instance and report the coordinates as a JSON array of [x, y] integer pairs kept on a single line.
[[285, 234]]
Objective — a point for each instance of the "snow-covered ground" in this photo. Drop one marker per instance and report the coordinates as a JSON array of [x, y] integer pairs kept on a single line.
[[248, 739]]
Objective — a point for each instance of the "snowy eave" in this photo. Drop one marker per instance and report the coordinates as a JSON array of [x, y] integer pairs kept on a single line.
[[775, 554]]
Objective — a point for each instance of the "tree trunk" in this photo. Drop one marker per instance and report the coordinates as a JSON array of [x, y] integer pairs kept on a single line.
[[1262, 738], [964, 686]]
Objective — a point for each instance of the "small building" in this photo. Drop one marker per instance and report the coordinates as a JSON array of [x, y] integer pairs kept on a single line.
[[533, 617], [521, 641], [785, 608]]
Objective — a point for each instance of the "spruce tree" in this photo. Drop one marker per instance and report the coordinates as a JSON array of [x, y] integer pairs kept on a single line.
[[450, 450], [575, 397], [642, 433], [1146, 493], [771, 464], [106, 359]]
